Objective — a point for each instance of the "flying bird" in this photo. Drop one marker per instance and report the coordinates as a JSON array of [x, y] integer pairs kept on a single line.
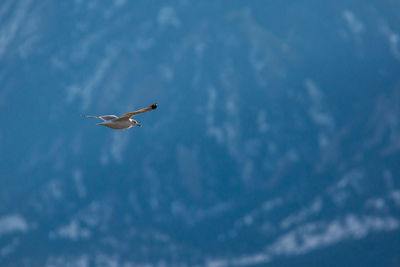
[[123, 122]]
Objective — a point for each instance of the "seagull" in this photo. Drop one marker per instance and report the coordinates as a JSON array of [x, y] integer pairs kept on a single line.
[[123, 122]]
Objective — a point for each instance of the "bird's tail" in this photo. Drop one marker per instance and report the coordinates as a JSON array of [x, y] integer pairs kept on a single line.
[[87, 116]]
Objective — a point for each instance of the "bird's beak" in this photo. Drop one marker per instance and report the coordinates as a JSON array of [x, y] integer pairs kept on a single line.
[[139, 125]]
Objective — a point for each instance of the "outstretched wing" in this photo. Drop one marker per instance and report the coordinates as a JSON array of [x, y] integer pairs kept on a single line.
[[104, 117], [130, 114]]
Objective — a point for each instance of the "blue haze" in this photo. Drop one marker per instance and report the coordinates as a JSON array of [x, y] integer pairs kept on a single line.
[[276, 141]]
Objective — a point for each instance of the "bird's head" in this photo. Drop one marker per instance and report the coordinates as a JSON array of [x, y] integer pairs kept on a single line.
[[135, 123]]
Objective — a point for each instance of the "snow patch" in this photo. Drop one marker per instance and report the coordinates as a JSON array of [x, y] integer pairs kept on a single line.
[[78, 261], [80, 187], [315, 207], [395, 196], [72, 231], [119, 3], [316, 111], [85, 92], [354, 24], [393, 39], [9, 31], [167, 16], [258, 258], [12, 223], [317, 235], [9, 248], [376, 203], [212, 130], [116, 148]]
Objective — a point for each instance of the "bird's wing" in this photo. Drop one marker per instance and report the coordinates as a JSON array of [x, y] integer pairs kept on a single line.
[[133, 113], [108, 117], [104, 117]]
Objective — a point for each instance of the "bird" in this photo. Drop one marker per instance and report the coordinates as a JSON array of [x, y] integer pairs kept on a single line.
[[123, 122]]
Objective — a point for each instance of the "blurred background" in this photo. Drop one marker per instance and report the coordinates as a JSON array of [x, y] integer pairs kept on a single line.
[[276, 141]]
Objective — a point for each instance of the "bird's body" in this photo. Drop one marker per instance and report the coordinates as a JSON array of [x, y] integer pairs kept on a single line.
[[123, 122], [118, 125]]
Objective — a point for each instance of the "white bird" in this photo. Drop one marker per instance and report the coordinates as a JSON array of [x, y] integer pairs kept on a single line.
[[123, 122]]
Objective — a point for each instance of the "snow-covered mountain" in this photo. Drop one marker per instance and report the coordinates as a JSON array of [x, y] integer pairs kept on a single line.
[[276, 141]]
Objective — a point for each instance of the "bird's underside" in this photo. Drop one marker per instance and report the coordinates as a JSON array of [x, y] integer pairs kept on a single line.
[[122, 122]]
